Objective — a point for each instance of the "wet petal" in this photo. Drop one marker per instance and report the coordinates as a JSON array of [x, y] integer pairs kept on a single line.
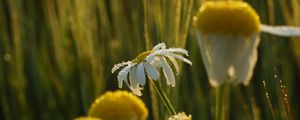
[[281, 30], [159, 46], [178, 50], [156, 62], [120, 83], [173, 60], [140, 73], [179, 57], [132, 77], [117, 66], [151, 71], [168, 72], [136, 90], [123, 75], [134, 85]]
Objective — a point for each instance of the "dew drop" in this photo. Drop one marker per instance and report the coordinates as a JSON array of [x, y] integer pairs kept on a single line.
[[7, 57]]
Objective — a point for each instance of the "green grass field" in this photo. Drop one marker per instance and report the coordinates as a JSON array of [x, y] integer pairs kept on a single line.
[[56, 57]]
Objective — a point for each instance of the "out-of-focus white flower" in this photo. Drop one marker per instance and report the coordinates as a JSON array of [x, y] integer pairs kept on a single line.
[[180, 116], [228, 36], [148, 63]]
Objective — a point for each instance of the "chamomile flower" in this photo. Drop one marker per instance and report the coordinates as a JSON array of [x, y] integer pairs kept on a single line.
[[180, 116], [87, 118], [134, 72], [228, 36], [118, 105]]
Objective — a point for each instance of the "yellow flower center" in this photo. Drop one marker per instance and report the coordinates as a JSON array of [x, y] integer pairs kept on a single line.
[[227, 17], [87, 118], [118, 105], [141, 57]]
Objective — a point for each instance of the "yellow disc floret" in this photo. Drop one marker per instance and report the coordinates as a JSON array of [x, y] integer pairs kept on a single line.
[[87, 118], [227, 17], [141, 57], [119, 105]]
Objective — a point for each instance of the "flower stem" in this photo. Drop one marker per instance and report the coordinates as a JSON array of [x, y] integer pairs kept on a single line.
[[164, 97], [221, 101]]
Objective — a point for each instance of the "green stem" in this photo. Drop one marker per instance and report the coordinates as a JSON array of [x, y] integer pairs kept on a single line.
[[163, 96], [221, 101], [154, 102]]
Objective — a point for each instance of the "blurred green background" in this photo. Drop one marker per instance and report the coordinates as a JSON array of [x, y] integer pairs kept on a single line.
[[56, 57]]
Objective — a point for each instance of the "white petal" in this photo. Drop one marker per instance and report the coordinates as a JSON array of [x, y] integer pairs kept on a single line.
[[173, 60], [178, 50], [140, 73], [168, 72], [151, 71], [120, 84], [228, 58], [231, 72], [132, 77], [123, 74], [156, 62], [151, 56], [281, 30], [252, 60], [179, 57], [136, 90], [134, 85], [127, 83], [117, 66], [159, 46]]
